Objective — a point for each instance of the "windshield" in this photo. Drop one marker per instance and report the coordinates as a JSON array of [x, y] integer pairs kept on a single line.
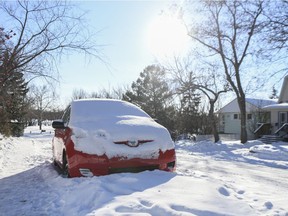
[[95, 109]]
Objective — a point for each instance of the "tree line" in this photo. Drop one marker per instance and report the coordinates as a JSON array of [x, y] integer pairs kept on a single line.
[[35, 36], [238, 46], [178, 110]]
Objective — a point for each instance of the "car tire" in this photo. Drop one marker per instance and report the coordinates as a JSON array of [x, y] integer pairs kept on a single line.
[[65, 168], [54, 162], [54, 159]]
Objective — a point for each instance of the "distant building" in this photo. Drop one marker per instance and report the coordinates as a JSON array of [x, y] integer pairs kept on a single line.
[[264, 117]]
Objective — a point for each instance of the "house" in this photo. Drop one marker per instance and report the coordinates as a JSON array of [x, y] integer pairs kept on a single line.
[[265, 118], [279, 111], [229, 116]]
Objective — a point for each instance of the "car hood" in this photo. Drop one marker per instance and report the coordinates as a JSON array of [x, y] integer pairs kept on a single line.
[[105, 136]]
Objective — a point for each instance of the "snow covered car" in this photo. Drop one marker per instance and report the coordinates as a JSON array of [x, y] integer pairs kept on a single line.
[[102, 136]]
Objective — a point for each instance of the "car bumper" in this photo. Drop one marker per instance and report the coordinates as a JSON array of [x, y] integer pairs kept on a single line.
[[81, 164]]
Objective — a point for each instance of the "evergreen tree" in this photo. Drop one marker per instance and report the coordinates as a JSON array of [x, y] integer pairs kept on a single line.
[[189, 117], [151, 92], [13, 90], [274, 94]]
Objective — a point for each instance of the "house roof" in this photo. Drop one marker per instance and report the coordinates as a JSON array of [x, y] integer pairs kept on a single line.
[[266, 104], [260, 103], [251, 103], [281, 106]]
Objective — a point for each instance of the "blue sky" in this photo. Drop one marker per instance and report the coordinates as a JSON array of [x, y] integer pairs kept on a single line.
[[123, 29]]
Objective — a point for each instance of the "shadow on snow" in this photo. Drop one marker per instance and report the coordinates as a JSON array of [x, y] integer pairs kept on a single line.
[[42, 191]]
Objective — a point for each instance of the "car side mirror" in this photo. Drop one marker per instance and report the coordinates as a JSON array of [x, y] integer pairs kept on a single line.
[[58, 124]]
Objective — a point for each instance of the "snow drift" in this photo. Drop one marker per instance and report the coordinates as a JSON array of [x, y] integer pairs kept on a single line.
[[225, 178]]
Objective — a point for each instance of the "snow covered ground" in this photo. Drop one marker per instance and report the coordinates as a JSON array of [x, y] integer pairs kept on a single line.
[[211, 179]]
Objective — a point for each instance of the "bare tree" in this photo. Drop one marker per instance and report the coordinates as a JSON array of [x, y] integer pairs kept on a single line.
[[114, 93], [79, 94], [44, 31], [208, 86], [42, 99], [206, 80], [229, 31], [277, 23]]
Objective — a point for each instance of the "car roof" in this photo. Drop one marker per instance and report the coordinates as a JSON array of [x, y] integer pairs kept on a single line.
[[86, 109]]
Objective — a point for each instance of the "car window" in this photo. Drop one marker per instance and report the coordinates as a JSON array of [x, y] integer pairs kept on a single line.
[[66, 115]]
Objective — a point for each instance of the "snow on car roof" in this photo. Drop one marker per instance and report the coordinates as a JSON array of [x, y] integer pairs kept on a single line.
[[93, 109]]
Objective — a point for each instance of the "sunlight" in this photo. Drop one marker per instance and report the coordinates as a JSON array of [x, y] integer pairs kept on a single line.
[[167, 37]]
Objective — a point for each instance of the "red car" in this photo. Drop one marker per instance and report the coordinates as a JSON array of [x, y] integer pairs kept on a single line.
[[102, 136]]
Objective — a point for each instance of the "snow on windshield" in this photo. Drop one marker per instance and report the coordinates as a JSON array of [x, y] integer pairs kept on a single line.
[[98, 123]]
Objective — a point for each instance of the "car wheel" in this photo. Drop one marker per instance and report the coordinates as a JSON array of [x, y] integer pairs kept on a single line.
[[65, 168], [54, 162], [54, 159]]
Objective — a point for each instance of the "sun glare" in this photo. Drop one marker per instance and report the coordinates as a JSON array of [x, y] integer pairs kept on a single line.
[[167, 37]]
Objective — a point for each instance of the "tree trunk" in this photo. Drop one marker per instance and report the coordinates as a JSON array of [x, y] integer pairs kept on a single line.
[[40, 120], [213, 122], [215, 132], [242, 107], [40, 124]]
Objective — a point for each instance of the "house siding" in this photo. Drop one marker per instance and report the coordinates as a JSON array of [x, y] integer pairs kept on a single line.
[[231, 125]]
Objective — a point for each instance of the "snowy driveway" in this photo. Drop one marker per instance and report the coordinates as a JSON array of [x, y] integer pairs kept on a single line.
[[211, 179]]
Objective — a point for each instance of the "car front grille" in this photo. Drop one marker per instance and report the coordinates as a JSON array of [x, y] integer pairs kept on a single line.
[[133, 143]]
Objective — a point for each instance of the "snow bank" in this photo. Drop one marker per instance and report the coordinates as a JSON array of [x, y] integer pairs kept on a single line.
[[208, 146], [270, 152], [273, 155]]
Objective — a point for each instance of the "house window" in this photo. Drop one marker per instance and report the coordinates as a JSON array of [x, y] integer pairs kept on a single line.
[[235, 116], [282, 118], [249, 116]]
